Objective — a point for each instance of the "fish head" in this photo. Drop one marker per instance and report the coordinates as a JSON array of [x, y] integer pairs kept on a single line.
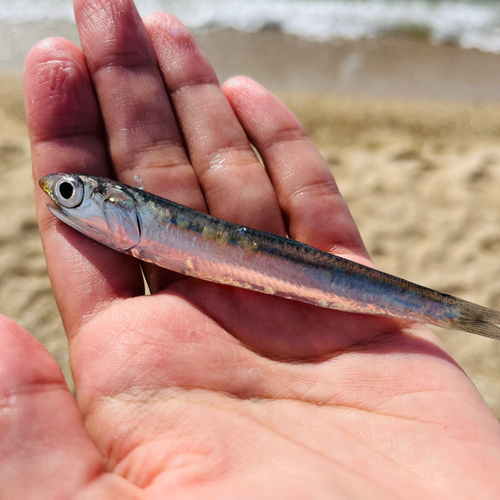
[[99, 208]]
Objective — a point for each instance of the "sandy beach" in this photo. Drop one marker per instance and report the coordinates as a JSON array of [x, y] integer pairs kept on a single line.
[[411, 133]]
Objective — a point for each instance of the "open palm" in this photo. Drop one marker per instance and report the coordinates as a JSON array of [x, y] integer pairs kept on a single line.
[[201, 391]]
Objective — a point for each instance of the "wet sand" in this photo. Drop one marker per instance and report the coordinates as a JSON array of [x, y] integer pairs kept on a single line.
[[421, 175]]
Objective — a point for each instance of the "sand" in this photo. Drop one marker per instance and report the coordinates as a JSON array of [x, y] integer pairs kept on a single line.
[[421, 178]]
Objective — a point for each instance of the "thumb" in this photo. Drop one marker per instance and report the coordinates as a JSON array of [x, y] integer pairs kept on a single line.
[[45, 451]]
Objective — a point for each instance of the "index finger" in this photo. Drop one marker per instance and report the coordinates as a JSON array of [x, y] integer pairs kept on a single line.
[[66, 135]]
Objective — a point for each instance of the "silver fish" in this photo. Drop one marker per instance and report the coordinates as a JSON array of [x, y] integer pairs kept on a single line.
[[186, 241]]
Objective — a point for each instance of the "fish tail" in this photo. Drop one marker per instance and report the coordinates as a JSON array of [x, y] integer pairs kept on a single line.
[[477, 319]]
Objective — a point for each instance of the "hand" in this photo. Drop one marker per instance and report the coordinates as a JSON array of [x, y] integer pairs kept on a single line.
[[201, 391]]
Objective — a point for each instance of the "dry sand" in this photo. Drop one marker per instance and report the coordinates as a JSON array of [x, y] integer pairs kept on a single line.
[[422, 180]]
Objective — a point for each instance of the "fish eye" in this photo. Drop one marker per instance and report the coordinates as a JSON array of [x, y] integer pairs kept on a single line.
[[68, 192]]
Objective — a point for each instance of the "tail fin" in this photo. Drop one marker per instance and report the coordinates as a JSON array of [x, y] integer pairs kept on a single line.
[[477, 319]]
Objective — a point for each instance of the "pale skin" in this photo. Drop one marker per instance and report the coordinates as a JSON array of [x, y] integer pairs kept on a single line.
[[201, 391]]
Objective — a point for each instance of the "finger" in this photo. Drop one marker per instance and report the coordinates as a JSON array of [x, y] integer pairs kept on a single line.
[[313, 208], [42, 436], [66, 136], [143, 135], [235, 185], [45, 450]]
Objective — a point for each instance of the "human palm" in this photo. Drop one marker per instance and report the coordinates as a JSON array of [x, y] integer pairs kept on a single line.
[[201, 391]]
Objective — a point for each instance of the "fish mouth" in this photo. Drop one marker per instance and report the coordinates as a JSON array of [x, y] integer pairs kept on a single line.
[[54, 209], [47, 184], [60, 213], [67, 218]]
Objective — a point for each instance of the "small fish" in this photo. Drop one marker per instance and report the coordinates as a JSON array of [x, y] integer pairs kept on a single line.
[[186, 241]]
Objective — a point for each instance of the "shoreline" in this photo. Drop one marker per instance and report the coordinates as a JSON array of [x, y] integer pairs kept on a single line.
[[379, 68]]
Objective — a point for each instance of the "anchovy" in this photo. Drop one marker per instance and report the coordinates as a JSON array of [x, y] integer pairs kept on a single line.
[[186, 241]]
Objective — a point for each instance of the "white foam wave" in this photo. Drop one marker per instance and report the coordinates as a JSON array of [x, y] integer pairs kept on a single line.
[[470, 24]]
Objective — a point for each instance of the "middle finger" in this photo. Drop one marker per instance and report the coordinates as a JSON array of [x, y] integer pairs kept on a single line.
[[141, 127]]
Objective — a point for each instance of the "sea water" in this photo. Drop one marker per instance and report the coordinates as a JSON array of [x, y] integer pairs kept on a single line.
[[468, 24]]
